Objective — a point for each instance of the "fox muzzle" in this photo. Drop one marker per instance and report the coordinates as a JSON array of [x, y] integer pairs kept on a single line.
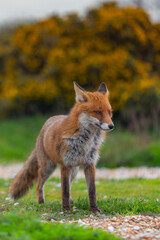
[[106, 127]]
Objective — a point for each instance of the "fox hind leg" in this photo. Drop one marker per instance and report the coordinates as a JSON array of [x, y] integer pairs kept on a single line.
[[44, 172]]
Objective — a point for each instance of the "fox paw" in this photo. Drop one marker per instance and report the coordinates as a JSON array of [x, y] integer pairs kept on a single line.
[[66, 209], [95, 210], [41, 201]]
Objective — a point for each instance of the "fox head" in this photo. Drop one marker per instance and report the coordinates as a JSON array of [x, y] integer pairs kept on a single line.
[[93, 108]]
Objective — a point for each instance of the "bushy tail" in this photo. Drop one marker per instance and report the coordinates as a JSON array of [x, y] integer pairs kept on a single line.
[[25, 178]]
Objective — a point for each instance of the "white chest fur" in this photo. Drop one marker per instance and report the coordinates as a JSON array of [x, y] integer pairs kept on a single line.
[[83, 147]]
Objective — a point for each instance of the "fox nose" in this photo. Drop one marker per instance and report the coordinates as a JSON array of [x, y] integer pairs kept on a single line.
[[111, 126]]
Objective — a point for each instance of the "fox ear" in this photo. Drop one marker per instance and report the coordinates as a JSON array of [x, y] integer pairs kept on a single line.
[[102, 88], [80, 93]]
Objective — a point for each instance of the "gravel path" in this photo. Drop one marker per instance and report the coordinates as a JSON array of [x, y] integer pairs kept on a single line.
[[136, 227], [9, 171]]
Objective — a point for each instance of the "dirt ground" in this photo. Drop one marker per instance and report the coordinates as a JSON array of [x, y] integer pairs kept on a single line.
[[9, 171]]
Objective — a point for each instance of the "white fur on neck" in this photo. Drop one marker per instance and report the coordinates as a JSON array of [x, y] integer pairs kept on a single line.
[[83, 147], [86, 120]]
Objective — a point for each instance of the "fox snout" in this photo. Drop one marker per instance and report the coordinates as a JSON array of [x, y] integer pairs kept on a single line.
[[96, 122], [107, 127]]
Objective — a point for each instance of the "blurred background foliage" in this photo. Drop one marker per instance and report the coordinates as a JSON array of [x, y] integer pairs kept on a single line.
[[118, 46]]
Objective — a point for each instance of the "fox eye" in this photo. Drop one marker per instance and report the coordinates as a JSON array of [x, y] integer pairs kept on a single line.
[[98, 112]]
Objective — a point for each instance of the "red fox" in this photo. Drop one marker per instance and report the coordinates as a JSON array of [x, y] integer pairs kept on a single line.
[[69, 140]]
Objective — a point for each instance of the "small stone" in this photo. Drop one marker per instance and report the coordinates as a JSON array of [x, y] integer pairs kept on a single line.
[[63, 221], [15, 204], [110, 229], [136, 228], [44, 214], [58, 185], [100, 226], [74, 209], [7, 198], [52, 220], [123, 229], [80, 222], [149, 230]]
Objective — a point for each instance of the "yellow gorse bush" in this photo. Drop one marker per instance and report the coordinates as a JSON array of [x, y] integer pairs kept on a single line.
[[119, 46]]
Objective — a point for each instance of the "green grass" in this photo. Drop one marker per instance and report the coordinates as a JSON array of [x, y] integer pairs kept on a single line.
[[124, 148], [115, 197], [121, 148], [133, 196], [18, 138], [26, 228]]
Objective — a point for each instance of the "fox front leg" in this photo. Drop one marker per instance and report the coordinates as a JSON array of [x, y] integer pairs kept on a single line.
[[65, 187], [73, 175], [89, 171]]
